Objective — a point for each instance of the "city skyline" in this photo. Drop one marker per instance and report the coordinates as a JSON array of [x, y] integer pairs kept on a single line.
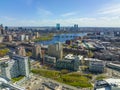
[[85, 13]]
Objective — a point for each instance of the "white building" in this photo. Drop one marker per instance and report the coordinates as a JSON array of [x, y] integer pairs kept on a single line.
[[15, 67]]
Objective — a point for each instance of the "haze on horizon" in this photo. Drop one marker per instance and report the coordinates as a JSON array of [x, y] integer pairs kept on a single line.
[[90, 13]]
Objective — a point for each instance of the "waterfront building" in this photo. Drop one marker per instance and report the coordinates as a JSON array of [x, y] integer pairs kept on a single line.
[[56, 50], [50, 61], [17, 66], [36, 52], [20, 50]]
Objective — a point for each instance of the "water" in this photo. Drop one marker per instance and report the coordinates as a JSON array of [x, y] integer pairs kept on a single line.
[[62, 38]]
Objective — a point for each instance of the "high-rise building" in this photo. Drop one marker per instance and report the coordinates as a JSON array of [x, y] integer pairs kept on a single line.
[[1, 29], [9, 38], [20, 50], [22, 37], [58, 26], [56, 50], [36, 52], [17, 66], [75, 26]]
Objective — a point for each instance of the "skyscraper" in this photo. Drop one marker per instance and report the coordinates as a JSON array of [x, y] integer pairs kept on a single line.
[[75, 26], [58, 26], [36, 52], [56, 50], [1, 29]]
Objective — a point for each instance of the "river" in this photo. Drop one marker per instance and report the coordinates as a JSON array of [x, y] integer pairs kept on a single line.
[[62, 38]]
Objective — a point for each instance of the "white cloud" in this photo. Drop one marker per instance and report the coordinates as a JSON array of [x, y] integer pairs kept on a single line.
[[7, 18], [69, 14], [112, 9], [44, 12]]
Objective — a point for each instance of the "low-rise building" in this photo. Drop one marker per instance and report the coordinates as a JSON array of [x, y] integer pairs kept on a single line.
[[72, 65], [97, 66], [114, 66], [50, 61]]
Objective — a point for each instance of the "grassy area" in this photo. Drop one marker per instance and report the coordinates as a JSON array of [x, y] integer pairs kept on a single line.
[[3, 52], [74, 79], [44, 38], [17, 79], [101, 77]]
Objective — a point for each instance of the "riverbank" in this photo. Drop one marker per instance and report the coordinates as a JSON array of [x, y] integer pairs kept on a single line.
[[44, 38]]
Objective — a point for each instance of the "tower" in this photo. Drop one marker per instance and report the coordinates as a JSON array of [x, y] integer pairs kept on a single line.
[[56, 50], [36, 52], [75, 26], [58, 26], [1, 29]]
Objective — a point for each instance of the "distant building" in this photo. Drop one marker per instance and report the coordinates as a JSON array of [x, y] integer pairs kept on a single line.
[[27, 37], [58, 26], [1, 38], [56, 50], [20, 50], [1, 29], [96, 66], [8, 38], [37, 34], [36, 52], [50, 61], [17, 66], [72, 65], [22, 37], [75, 26]]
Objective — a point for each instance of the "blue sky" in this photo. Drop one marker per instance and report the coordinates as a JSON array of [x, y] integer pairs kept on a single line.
[[105, 13]]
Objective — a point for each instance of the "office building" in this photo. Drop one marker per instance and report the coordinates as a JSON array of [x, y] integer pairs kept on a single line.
[[75, 26], [97, 66], [56, 50], [36, 52], [72, 65], [58, 26], [17, 66], [49, 61], [20, 50]]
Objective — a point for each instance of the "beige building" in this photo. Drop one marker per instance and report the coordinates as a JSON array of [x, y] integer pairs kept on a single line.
[[20, 50], [56, 50], [36, 52]]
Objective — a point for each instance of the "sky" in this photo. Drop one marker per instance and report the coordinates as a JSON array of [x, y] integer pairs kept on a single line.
[[85, 13]]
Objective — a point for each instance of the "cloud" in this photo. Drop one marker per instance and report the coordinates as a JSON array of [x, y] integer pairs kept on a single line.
[[69, 14], [112, 9], [44, 12], [7, 18], [82, 22]]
